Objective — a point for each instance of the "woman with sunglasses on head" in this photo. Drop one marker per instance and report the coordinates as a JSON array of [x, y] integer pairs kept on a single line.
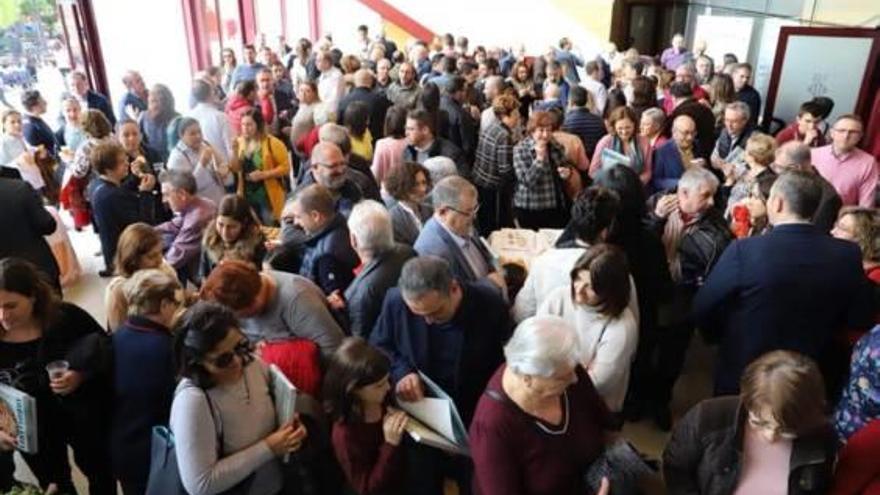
[[38, 329], [223, 418], [366, 432], [774, 438], [143, 376]]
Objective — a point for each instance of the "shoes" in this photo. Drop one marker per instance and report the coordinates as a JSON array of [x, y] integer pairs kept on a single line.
[[663, 418], [105, 273]]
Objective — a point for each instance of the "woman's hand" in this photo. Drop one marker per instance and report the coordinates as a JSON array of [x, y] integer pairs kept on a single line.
[[288, 438], [393, 426], [148, 182], [7, 442], [541, 151], [666, 205], [67, 384], [256, 176], [336, 301], [564, 172], [137, 166], [604, 487]]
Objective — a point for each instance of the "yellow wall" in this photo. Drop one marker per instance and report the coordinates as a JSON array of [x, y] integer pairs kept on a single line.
[[846, 12], [593, 15]]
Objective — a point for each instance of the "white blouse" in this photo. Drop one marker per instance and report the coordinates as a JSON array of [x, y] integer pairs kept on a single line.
[[607, 356]]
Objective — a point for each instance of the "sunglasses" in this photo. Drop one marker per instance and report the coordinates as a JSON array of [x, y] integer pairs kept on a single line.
[[243, 349]]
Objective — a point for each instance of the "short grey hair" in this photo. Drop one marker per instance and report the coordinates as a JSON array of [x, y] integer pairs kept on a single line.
[[370, 224], [801, 192], [449, 191], [794, 154], [336, 134], [440, 167], [541, 345], [696, 177], [656, 115], [425, 274], [740, 108], [179, 180]]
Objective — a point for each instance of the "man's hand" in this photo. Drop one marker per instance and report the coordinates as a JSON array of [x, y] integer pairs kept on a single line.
[[666, 205], [336, 301], [810, 135], [410, 388]]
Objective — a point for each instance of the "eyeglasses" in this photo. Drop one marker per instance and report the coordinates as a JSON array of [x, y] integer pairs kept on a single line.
[[243, 350], [471, 214]]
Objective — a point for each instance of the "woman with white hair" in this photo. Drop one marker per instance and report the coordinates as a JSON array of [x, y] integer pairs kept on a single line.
[[539, 425]]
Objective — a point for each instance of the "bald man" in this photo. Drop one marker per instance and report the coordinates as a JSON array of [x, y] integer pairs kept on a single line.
[[676, 156], [375, 101]]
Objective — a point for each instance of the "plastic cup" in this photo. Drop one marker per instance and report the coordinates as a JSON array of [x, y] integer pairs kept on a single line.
[[57, 369]]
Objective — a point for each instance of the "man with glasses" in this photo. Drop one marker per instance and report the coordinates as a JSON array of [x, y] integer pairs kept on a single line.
[[852, 171], [330, 169], [452, 331], [450, 235], [676, 156]]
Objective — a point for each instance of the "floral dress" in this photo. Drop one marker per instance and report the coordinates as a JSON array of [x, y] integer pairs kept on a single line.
[[860, 403]]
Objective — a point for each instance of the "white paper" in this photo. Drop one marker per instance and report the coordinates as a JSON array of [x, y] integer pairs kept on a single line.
[[434, 413]]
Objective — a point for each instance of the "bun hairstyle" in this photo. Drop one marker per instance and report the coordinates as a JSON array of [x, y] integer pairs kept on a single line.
[[196, 333]]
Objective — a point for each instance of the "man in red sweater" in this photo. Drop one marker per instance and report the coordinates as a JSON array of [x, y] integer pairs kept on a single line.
[[806, 128]]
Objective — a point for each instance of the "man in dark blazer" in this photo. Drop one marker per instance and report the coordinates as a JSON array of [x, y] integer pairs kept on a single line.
[[453, 332], [382, 260], [376, 102], [789, 289], [79, 87], [25, 221], [449, 234]]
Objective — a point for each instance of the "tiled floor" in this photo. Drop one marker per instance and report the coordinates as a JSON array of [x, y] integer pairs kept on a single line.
[[693, 386]]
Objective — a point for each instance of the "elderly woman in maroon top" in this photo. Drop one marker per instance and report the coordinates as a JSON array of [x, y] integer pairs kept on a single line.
[[540, 423]]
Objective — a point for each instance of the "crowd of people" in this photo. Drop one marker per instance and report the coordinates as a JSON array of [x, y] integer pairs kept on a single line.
[[327, 213]]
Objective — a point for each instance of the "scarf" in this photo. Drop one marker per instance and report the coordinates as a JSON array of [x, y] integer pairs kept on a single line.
[[637, 163]]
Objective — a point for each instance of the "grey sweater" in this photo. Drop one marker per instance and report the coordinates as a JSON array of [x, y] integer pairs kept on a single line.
[[298, 309], [247, 415]]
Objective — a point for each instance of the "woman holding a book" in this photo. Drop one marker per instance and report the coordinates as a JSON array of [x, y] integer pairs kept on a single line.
[[366, 432], [623, 145], [226, 432], [57, 354]]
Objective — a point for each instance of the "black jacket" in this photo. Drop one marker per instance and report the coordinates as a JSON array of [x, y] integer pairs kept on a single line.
[[704, 455], [752, 98], [25, 221], [442, 147], [115, 208], [376, 102], [829, 205], [364, 296], [700, 247], [328, 258], [461, 128]]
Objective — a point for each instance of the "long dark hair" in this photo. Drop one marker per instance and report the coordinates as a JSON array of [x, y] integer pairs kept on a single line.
[[355, 364], [23, 278], [237, 208], [196, 333]]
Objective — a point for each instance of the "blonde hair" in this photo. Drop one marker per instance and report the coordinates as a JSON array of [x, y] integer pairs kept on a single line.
[[789, 386], [867, 230], [146, 290], [762, 148]]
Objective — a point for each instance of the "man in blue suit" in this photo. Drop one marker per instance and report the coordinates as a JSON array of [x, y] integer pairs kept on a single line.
[[451, 331], [449, 234], [789, 289], [78, 84]]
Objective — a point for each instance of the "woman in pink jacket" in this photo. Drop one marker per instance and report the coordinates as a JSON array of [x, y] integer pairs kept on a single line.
[[624, 140]]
